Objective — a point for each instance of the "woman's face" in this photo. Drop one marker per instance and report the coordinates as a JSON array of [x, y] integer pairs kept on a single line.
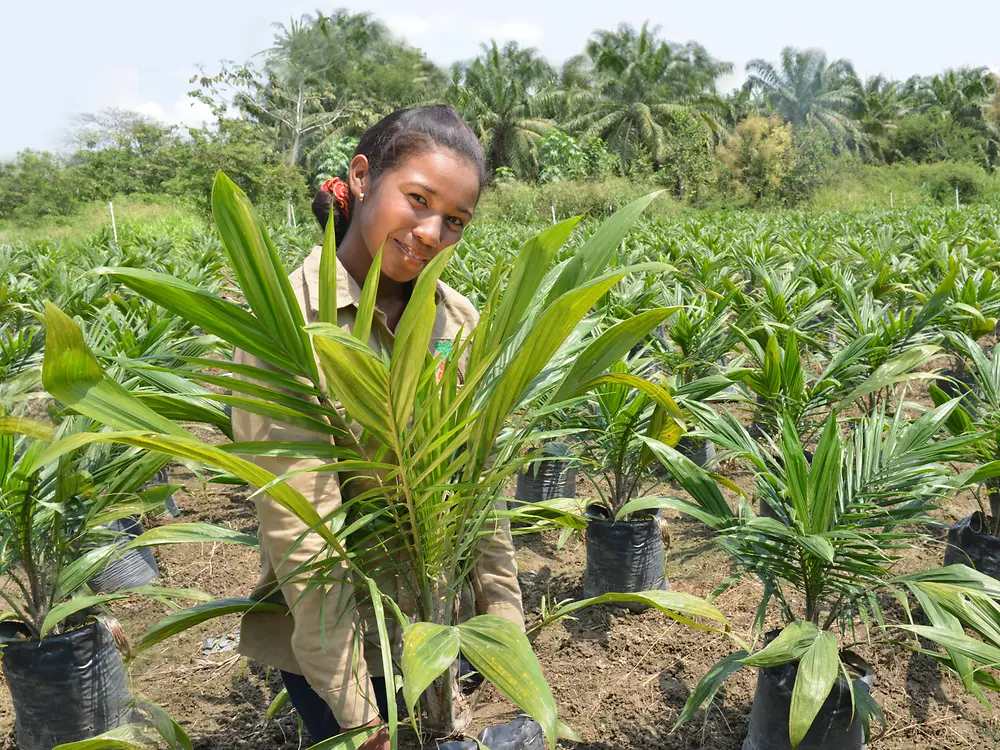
[[417, 208]]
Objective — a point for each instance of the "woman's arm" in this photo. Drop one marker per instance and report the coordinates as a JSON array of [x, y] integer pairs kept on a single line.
[[494, 576], [325, 639]]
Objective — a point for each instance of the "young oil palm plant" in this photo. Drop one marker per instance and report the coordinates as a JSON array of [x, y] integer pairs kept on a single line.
[[977, 414], [825, 549], [698, 337], [621, 411], [444, 452], [782, 381]]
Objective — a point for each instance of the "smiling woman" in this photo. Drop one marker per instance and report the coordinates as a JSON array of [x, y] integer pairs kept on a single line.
[[412, 186]]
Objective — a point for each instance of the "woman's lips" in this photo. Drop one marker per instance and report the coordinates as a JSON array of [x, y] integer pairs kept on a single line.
[[410, 255]]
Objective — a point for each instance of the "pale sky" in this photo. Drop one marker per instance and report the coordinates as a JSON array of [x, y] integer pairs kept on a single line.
[[61, 58]]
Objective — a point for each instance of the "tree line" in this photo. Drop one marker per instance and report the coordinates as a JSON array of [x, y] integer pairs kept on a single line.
[[632, 104]]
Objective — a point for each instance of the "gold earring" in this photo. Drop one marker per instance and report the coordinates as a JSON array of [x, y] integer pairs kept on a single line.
[[361, 198]]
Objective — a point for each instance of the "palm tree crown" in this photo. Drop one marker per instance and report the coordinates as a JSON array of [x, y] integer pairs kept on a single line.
[[806, 89]]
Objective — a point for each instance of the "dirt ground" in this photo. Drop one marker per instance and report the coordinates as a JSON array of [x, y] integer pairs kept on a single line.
[[620, 679]]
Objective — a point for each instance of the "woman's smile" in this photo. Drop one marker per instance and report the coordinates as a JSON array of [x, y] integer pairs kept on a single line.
[[411, 256]]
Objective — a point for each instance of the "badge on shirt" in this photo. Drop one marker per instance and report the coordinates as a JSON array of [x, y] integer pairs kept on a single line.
[[443, 349]]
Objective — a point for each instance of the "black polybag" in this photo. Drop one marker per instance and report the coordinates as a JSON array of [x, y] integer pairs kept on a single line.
[[67, 687], [623, 557], [833, 728], [136, 567], [547, 478], [969, 543]]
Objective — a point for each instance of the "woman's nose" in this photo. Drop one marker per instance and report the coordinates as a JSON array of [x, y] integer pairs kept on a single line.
[[428, 231]]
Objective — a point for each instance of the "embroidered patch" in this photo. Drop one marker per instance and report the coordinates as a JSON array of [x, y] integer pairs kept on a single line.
[[443, 349]]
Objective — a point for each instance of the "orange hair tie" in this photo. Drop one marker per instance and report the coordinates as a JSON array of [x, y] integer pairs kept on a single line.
[[341, 194]]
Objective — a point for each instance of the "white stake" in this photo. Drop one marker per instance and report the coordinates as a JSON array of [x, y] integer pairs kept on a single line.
[[891, 204], [553, 212], [957, 204], [114, 228]]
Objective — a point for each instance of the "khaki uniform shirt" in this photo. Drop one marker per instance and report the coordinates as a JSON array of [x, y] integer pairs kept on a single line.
[[326, 637]]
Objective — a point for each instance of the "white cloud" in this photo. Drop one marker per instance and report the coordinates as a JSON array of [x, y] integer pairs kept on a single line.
[[524, 32], [120, 86], [409, 26], [413, 27]]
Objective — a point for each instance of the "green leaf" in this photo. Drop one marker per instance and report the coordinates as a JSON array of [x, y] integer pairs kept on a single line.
[[413, 335], [867, 707], [127, 737], [674, 604], [526, 275], [825, 479], [387, 669], [979, 652], [183, 533], [350, 740], [428, 650], [897, 370], [959, 422], [178, 622], [281, 700], [71, 374], [262, 279], [79, 603], [328, 276], [82, 569], [594, 256], [609, 348], [817, 673], [796, 471], [707, 688], [816, 546], [790, 645], [171, 732], [644, 503], [366, 305], [546, 336], [358, 378], [694, 479], [29, 427], [229, 322], [499, 650]]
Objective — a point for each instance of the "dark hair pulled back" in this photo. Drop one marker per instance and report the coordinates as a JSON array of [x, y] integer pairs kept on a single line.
[[405, 133]]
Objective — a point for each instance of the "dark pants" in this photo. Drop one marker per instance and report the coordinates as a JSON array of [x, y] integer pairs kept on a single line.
[[317, 715], [314, 711]]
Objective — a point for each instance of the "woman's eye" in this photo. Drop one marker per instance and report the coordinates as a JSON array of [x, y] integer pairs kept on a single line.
[[456, 222], [419, 198]]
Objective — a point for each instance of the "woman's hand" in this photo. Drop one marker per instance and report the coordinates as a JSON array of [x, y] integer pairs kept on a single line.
[[379, 741]]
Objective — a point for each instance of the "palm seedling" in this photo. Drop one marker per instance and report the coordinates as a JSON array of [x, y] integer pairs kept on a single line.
[[440, 455], [825, 550], [978, 414], [779, 377]]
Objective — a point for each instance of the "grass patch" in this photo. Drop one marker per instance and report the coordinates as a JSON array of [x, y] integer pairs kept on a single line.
[[161, 214]]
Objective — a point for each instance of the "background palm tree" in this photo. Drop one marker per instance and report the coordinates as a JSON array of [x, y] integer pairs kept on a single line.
[[807, 90], [494, 94], [640, 82], [878, 105], [960, 95]]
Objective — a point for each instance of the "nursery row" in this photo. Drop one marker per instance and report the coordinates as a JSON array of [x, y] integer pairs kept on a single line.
[[844, 361]]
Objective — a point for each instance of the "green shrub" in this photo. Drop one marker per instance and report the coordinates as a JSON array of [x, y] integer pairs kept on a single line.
[[560, 157], [853, 185], [533, 203], [941, 180], [333, 158]]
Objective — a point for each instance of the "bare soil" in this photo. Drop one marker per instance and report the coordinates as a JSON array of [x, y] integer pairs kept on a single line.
[[620, 679]]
